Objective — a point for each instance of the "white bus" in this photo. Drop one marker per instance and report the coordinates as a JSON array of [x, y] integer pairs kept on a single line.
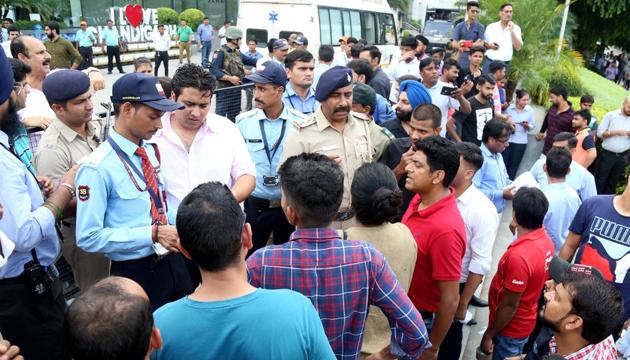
[[323, 22]]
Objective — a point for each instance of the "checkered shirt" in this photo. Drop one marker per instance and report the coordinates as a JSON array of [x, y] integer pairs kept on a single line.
[[342, 278], [603, 350]]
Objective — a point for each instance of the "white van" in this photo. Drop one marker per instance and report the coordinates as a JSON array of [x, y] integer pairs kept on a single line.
[[323, 22]]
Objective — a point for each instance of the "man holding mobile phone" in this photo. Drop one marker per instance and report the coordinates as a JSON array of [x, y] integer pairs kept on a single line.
[[468, 33], [502, 38], [407, 63]]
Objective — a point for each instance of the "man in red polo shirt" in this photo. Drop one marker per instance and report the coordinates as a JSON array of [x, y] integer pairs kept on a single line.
[[437, 226], [520, 278]]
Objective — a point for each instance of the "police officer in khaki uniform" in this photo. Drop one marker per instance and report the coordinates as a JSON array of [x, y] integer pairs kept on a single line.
[[228, 67], [71, 137], [349, 138]]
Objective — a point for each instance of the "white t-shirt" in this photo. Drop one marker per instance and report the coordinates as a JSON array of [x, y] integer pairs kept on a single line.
[[6, 46], [443, 102], [400, 68], [496, 34], [222, 35]]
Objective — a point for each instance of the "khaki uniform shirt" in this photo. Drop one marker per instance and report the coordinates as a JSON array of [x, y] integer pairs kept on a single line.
[[360, 142], [399, 247], [62, 53]]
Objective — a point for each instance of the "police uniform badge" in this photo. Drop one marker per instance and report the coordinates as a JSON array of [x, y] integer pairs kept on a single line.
[[84, 193]]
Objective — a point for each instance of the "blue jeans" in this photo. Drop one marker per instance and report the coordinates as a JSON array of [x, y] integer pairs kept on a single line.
[[205, 52], [506, 346]]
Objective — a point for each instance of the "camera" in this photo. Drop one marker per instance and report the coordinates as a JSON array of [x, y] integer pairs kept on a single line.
[[271, 180]]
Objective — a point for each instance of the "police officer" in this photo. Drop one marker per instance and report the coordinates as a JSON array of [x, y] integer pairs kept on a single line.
[[31, 299], [121, 207], [71, 137], [264, 130], [228, 67], [349, 138]]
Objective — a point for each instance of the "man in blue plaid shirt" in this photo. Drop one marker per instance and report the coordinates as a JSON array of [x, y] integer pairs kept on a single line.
[[341, 277]]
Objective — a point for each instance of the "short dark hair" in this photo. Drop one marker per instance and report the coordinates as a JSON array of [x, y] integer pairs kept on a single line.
[[560, 90], [20, 69], [428, 61], [471, 4], [326, 53], [566, 136], [141, 61], [270, 45], [599, 304], [587, 99], [206, 18], [486, 79], [352, 40], [192, 76], [362, 67], [253, 38], [355, 50], [449, 63], [376, 197], [441, 155], [53, 25], [313, 185], [558, 162], [496, 66], [530, 207], [165, 81], [13, 28], [520, 93], [428, 112], [477, 48], [297, 55], [160, 26], [9, 20], [106, 322], [18, 47], [584, 114], [504, 5], [471, 153], [209, 224], [494, 129], [374, 52]]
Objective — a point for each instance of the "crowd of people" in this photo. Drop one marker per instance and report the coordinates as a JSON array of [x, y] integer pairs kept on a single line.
[[351, 213]]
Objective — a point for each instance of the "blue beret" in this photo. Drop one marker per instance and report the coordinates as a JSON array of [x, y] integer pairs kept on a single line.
[[269, 73], [6, 77], [332, 79], [416, 93], [64, 85]]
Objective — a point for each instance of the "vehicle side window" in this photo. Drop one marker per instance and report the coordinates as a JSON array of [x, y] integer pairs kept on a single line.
[[284, 34], [387, 30], [369, 26], [324, 27], [259, 34]]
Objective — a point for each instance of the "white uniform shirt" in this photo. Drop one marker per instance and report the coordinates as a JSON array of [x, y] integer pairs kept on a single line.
[[161, 42], [496, 34]]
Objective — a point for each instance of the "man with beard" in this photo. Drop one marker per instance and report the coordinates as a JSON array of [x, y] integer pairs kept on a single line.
[[615, 132], [121, 207], [472, 124], [264, 130], [559, 117], [351, 139], [411, 94], [582, 313], [70, 138], [431, 80], [299, 94], [31, 315], [63, 55]]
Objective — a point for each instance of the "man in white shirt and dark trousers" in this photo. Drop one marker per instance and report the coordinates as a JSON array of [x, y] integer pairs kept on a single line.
[[502, 38], [615, 130], [161, 43], [481, 221]]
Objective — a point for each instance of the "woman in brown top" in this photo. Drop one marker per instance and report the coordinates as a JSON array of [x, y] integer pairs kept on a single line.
[[376, 201]]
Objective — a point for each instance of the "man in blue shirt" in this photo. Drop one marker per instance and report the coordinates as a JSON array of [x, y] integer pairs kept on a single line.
[[121, 210], [468, 33], [492, 179], [563, 200], [579, 179], [299, 93], [111, 38], [264, 130], [362, 72], [226, 317], [86, 39], [31, 315], [204, 40]]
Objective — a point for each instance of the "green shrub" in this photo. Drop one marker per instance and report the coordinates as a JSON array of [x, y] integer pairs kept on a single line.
[[167, 16], [193, 17], [28, 24]]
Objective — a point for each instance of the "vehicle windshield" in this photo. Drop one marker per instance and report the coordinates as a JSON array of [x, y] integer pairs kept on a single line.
[[438, 28]]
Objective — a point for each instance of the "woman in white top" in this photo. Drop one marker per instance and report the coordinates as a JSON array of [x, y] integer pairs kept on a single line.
[[523, 116], [376, 201]]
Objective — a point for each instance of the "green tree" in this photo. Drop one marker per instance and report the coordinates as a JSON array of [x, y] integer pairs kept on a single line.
[[35, 6], [402, 5], [603, 21], [167, 16], [193, 17]]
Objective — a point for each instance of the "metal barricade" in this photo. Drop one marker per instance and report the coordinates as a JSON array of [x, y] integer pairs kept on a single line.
[[233, 100]]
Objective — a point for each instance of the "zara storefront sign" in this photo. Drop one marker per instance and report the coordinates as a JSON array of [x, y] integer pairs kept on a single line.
[[134, 24]]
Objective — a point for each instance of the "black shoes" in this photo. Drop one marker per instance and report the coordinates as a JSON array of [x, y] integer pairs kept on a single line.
[[478, 302]]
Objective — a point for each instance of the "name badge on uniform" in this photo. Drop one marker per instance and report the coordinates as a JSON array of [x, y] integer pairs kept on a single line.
[[254, 141], [329, 148]]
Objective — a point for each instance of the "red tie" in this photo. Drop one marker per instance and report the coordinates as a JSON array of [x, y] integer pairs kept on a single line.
[[149, 175]]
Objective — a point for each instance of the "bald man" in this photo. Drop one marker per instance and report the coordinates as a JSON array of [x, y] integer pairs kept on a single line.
[[615, 130], [111, 320]]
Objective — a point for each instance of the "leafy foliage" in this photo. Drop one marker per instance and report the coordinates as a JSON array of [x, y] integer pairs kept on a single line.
[[193, 17], [402, 5], [167, 16], [604, 21]]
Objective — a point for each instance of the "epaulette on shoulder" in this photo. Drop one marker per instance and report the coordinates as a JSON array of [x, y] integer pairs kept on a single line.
[[304, 123], [97, 156], [244, 115], [297, 113], [388, 133], [361, 116]]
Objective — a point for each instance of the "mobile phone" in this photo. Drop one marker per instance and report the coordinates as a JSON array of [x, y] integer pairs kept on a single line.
[[468, 43], [447, 90]]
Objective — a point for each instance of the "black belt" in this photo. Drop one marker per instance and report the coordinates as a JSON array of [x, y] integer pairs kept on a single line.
[[260, 203], [344, 214], [624, 153]]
